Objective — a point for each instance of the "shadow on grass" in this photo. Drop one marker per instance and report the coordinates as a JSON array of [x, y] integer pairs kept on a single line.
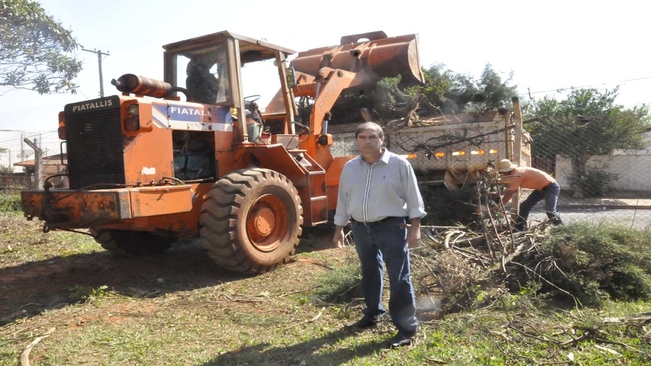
[[30, 288], [304, 353], [316, 238]]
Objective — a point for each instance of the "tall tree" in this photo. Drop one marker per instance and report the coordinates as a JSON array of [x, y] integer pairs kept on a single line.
[[587, 123], [35, 50]]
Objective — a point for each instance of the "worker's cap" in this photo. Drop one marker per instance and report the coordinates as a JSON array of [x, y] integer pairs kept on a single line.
[[505, 165]]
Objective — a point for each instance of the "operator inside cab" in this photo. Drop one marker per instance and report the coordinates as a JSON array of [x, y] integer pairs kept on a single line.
[[207, 78], [202, 85]]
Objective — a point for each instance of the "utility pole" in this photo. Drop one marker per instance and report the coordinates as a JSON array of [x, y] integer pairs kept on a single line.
[[99, 62], [22, 146]]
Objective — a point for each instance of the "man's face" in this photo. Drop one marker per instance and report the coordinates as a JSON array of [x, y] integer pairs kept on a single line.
[[368, 141]]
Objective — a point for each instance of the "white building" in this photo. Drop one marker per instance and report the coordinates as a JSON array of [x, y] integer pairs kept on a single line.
[[632, 168]]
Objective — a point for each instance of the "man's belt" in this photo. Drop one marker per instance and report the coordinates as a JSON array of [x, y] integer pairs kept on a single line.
[[371, 223]]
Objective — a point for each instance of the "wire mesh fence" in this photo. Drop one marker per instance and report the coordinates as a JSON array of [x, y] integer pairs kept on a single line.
[[603, 172], [603, 169]]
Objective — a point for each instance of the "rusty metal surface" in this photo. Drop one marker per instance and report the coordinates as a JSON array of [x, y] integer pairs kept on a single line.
[[383, 57], [78, 208]]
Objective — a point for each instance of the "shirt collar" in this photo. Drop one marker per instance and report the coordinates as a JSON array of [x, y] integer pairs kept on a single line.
[[385, 155], [383, 158]]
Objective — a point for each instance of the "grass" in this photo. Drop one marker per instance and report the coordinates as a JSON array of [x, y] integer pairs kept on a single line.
[[10, 200], [180, 309], [23, 241]]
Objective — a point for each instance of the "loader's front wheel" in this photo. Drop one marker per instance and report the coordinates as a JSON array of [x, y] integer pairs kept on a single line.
[[139, 243], [251, 220]]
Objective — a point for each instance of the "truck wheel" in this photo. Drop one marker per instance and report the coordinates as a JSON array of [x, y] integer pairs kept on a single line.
[[139, 243], [251, 220]]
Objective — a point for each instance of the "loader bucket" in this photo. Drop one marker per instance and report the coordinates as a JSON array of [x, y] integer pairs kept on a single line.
[[373, 52]]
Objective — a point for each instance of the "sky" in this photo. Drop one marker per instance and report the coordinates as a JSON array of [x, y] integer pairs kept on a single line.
[[545, 45]]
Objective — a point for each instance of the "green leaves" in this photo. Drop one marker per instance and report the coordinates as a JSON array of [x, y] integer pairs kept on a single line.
[[596, 262], [35, 49], [590, 122], [455, 93], [585, 124]]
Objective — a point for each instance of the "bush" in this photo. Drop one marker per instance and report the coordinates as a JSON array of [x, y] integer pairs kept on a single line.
[[595, 182], [596, 263], [10, 201], [6, 170]]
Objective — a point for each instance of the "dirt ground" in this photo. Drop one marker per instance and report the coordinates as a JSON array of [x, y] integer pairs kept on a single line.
[[27, 289]]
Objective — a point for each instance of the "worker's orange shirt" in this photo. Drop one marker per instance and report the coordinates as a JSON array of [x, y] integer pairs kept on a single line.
[[531, 178]]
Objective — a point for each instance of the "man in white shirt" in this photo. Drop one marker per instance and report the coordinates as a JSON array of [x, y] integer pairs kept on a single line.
[[378, 192]]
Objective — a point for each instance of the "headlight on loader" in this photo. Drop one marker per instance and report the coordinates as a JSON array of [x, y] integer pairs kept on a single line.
[[132, 124], [132, 120], [134, 110]]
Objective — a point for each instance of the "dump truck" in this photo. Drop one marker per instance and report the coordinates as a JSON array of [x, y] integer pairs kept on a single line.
[[453, 149], [192, 156]]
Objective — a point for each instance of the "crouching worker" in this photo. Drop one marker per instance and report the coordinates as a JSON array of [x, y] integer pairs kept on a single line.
[[378, 192], [544, 187]]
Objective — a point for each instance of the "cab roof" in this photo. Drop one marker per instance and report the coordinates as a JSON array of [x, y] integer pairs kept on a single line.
[[251, 49]]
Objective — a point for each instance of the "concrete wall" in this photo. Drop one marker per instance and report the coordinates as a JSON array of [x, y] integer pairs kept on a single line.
[[634, 171]]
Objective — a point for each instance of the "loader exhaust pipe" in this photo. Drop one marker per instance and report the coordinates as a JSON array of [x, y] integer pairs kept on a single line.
[[130, 83], [373, 52]]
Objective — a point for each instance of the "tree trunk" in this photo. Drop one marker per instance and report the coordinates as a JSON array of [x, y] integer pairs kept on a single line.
[[578, 171]]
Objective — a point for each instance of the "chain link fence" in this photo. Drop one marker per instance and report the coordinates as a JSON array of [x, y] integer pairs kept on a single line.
[[603, 170], [604, 178]]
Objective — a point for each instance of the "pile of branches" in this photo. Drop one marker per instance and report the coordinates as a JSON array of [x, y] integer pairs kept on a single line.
[[489, 265], [458, 263], [487, 255], [467, 266]]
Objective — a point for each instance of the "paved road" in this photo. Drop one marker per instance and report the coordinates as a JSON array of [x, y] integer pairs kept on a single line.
[[638, 219]]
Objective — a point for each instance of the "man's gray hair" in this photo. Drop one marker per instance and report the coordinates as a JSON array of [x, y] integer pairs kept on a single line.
[[370, 126]]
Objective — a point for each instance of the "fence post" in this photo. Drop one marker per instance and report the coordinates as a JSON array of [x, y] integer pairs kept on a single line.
[[38, 163], [517, 148]]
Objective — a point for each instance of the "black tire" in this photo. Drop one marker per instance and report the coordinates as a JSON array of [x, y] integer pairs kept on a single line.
[[251, 220], [138, 243]]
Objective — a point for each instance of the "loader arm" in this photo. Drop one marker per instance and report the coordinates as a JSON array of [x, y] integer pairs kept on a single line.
[[358, 63], [325, 89]]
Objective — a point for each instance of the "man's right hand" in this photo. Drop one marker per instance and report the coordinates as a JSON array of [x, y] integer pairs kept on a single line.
[[338, 238]]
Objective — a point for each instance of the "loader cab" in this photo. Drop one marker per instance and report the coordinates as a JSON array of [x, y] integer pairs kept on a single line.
[[215, 69]]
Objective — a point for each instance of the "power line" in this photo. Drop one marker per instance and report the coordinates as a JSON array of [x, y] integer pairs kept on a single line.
[[585, 86]]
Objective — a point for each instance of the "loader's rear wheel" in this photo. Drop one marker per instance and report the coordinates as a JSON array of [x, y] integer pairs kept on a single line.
[[251, 220], [140, 243]]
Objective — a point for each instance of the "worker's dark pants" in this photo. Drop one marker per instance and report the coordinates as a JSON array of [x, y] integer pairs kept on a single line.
[[386, 242], [550, 195]]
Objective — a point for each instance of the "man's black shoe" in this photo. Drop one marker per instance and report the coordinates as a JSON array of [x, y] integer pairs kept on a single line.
[[363, 323], [400, 339]]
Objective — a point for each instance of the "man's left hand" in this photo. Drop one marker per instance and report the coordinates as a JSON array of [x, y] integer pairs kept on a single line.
[[413, 234]]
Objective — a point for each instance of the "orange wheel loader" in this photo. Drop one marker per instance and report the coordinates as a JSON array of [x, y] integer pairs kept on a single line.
[[192, 156]]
